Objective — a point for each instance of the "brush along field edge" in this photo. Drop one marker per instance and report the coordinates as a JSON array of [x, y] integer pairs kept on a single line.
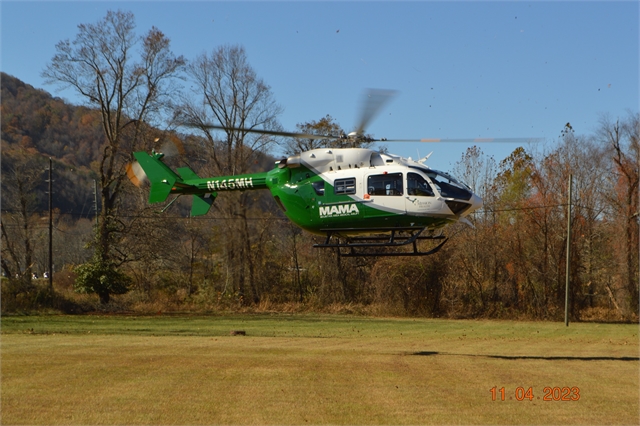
[[314, 369]]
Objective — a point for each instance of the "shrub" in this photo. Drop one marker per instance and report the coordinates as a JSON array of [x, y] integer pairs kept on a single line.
[[101, 277]]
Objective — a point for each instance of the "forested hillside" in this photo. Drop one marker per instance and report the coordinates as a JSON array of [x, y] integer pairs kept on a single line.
[[33, 119], [244, 255], [36, 124]]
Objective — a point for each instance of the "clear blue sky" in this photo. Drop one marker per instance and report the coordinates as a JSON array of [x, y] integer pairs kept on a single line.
[[462, 69]]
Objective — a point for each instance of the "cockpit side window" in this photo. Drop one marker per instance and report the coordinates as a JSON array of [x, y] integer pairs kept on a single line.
[[417, 185], [385, 184]]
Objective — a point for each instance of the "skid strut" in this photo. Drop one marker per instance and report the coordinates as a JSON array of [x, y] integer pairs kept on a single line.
[[398, 237]]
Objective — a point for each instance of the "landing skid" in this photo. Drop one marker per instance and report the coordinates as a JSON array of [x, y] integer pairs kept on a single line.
[[356, 246]]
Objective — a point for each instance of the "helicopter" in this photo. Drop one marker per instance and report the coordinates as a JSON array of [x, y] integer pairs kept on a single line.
[[364, 202]]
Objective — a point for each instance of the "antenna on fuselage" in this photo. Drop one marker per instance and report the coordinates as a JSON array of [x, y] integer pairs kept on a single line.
[[424, 160]]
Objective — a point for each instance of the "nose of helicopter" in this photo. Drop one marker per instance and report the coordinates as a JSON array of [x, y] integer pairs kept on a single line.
[[476, 203]]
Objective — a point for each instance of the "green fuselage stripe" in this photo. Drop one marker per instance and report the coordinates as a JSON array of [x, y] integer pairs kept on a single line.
[[293, 191]]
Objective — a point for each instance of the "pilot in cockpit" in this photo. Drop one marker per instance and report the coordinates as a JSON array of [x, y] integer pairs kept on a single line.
[[417, 185]]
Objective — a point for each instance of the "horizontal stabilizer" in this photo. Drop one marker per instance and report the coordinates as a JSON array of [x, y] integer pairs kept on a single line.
[[201, 204]]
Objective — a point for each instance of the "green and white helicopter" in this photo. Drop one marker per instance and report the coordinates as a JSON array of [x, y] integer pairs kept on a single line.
[[363, 201]]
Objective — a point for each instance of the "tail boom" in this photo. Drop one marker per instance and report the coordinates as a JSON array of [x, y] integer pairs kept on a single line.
[[165, 181]]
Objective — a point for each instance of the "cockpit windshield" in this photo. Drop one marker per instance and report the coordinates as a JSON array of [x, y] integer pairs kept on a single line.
[[447, 186]]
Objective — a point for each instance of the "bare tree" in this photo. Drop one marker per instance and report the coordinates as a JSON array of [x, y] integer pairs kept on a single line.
[[19, 183], [478, 245], [325, 126], [130, 94], [623, 141], [228, 92]]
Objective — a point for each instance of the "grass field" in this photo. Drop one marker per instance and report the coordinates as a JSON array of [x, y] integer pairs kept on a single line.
[[311, 369]]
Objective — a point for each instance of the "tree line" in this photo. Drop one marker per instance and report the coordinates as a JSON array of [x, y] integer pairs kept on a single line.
[[244, 253]]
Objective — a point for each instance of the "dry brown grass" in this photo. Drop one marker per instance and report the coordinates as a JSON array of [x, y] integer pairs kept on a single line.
[[297, 369]]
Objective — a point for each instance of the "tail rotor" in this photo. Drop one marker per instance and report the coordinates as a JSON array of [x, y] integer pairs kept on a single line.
[[172, 146], [136, 174]]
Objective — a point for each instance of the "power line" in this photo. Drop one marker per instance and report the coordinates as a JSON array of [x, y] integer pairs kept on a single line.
[[214, 218]]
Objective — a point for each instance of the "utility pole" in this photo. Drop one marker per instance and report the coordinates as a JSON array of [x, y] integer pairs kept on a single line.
[[50, 227], [95, 200], [568, 271]]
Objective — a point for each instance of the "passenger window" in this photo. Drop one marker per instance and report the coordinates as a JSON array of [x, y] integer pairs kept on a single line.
[[417, 185], [345, 186], [385, 184]]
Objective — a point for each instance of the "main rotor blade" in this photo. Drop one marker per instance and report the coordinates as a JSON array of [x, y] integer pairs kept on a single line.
[[265, 132], [379, 97], [171, 146], [469, 140], [372, 102]]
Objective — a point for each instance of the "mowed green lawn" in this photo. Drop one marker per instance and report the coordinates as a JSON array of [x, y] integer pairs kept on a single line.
[[312, 369]]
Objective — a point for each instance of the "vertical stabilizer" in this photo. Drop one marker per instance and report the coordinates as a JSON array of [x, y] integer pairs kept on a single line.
[[161, 177]]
